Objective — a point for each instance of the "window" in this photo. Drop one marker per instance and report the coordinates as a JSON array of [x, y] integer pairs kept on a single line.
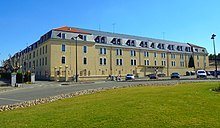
[[45, 60], [103, 40], [84, 49], [198, 64], [102, 50], [30, 56], [163, 63], [63, 36], [133, 62], [34, 54], [84, 38], [131, 43], [42, 61], [144, 44], [84, 60], [159, 46], [43, 49], [155, 63], [102, 61], [152, 45], [37, 63], [40, 51], [119, 41], [37, 52], [133, 53], [155, 54], [181, 56], [119, 52], [162, 46], [29, 64], [63, 60], [173, 63], [146, 62], [119, 62], [181, 64], [33, 64], [163, 55], [173, 56], [146, 54], [46, 49], [97, 39], [197, 57], [172, 47], [63, 47]]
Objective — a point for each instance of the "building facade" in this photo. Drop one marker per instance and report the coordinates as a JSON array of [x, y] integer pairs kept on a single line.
[[62, 52]]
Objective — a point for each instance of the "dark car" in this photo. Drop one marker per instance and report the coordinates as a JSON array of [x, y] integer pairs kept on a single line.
[[208, 73], [152, 76], [213, 73], [175, 75]]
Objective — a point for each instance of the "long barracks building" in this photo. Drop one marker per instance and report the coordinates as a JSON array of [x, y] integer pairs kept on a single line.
[[100, 54]]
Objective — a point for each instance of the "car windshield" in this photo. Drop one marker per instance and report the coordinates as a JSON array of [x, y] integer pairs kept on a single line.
[[175, 73], [201, 71], [129, 74]]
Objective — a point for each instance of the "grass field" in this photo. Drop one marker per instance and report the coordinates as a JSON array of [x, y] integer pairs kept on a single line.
[[185, 105]]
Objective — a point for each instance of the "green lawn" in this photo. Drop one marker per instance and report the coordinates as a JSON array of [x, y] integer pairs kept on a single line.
[[185, 105]]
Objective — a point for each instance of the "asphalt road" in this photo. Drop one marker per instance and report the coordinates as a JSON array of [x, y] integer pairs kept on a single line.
[[45, 89]]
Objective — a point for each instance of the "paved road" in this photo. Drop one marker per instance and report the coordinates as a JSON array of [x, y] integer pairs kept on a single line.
[[45, 89]]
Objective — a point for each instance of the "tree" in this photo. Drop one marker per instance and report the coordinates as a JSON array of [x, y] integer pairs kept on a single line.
[[8, 65], [191, 62], [211, 57]]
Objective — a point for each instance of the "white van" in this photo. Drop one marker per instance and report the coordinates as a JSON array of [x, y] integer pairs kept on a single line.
[[201, 74]]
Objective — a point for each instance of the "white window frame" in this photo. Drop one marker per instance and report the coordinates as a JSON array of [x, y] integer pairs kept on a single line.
[[62, 60], [118, 52], [146, 54], [102, 51], [133, 53]]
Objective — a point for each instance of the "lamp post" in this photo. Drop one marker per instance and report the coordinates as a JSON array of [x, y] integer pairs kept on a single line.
[[75, 38], [213, 38]]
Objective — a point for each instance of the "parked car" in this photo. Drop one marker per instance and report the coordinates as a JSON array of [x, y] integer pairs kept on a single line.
[[208, 73], [212, 73], [161, 75], [129, 77], [175, 75], [152, 76], [201, 74]]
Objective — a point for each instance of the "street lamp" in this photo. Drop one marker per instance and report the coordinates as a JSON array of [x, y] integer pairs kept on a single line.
[[213, 38], [75, 38]]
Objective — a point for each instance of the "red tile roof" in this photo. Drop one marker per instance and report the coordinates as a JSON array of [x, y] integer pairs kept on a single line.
[[69, 29]]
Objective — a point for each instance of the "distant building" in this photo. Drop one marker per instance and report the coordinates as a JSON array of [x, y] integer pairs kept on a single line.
[[101, 54]]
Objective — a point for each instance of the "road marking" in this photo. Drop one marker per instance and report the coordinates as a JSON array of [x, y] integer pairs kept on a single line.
[[10, 99]]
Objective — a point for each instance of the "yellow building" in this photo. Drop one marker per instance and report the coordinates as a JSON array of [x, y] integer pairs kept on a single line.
[[100, 54]]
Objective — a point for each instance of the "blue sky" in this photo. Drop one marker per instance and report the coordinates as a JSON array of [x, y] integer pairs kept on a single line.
[[22, 22]]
